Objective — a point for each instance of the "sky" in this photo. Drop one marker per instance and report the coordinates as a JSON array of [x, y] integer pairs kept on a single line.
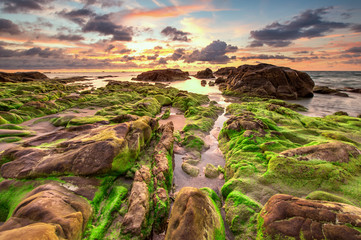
[[138, 35]]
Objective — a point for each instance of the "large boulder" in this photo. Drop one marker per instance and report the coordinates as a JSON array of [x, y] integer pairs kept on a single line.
[[21, 76], [194, 216], [89, 151], [48, 212], [267, 80], [207, 73], [163, 75], [288, 217], [225, 71]]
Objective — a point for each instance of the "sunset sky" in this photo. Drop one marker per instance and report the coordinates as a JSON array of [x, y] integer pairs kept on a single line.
[[136, 35]]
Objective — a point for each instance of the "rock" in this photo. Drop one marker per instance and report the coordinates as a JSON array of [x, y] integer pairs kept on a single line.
[[96, 151], [138, 204], [225, 71], [327, 90], [124, 118], [220, 80], [211, 83], [194, 216], [211, 171], [48, 211], [265, 80], [205, 74], [332, 152], [340, 113], [246, 121], [203, 83], [163, 75], [190, 169], [287, 216], [22, 76]]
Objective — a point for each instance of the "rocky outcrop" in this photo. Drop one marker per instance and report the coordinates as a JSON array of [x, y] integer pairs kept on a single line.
[[287, 216], [207, 73], [332, 152], [22, 76], [138, 203], [220, 80], [194, 216], [89, 151], [327, 90], [267, 80], [48, 212], [163, 75], [225, 71]]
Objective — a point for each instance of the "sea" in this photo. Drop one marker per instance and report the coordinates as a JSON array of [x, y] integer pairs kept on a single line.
[[318, 106]]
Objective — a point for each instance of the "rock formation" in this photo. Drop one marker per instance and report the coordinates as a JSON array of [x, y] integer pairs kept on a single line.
[[207, 73], [22, 76], [267, 80], [163, 75], [287, 216]]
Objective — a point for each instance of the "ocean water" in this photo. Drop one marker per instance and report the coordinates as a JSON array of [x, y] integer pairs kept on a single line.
[[318, 106]]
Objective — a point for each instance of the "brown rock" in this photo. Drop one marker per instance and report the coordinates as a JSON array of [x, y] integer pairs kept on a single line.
[[225, 71], [194, 217], [220, 80], [288, 216], [62, 213], [245, 121], [332, 152], [22, 76], [205, 74], [268, 80], [163, 75], [203, 83]]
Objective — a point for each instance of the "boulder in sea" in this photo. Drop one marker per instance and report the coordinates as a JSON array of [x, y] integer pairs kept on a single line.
[[163, 75], [194, 216], [211, 83], [327, 90], [190, 169], [286, 217], [203, 83], [22, 76], [207, 73], [265, 80]]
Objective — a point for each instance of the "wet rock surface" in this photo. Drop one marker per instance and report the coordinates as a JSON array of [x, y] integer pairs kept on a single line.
[[205, 74], [288, 216]]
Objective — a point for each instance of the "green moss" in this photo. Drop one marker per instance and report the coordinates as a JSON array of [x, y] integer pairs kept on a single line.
[[166, 114], [192, 142], [12, 126], [10, 139], [325, 196], [15, 133], [3, 120], [86, 120], [11, 197], [163, 100]]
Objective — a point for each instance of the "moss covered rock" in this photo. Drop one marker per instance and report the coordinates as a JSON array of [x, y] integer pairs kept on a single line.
[[194, 216]]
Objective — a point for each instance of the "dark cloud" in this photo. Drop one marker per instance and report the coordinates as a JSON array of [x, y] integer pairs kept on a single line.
[[79, 16], [7, 26], [301, 52], [215, 52], [154, 57], [158, 47], [356, 28], [265, 57], [353, 61], [308, 24], [15, 6], [103, 25], [175, 35], [70, 37], [177, 54], [102, 3], [354, 50], [109, 48], [32, 52], [162, 61], [124, 51]]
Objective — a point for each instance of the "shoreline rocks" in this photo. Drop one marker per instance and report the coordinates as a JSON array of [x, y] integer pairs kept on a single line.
[[205, 74], [22, 76], [163, 75], [265, 80]]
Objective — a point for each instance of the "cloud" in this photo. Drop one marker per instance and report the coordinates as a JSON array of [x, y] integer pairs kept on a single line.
[[78, 16], [102, 3], [175, 35], [124, 51], [15, 6], [354, 50], [109, 48], [265, 57], [308, 24], [7, 26], [215, 52], [104, 26], [356, 28], [154, 57], [35, 51], [70, 37], [162, 61], [177, 54]]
